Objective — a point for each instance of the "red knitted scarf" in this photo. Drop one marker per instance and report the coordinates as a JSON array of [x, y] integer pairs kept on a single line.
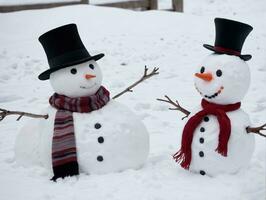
[[183, 156], [64, 151]]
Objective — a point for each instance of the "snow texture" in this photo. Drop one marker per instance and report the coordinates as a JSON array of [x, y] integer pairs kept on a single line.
[[130, 40]]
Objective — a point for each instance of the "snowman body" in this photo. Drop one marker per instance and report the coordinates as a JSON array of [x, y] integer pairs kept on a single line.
[[224, 80], [111, 139], [205, 141]]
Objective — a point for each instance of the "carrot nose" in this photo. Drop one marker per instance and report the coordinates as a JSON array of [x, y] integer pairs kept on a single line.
[[204, 76], [89, 76]]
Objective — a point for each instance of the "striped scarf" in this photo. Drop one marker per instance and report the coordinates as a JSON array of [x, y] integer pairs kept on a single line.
[[64, 151]]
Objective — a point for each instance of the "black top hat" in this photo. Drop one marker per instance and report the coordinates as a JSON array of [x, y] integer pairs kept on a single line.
[[64, 48], [230, 37]]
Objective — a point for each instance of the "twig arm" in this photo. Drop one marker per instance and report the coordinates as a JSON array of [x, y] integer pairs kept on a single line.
[[145, 76], [176, 105], [257, 130], [4, 113]]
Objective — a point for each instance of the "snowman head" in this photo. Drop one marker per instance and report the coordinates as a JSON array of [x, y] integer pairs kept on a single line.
[[77, 81], [222, 79]]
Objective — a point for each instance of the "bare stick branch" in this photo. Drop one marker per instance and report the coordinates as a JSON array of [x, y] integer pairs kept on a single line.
[[4, 113], [176, 106], [145, 76], [257, 130]]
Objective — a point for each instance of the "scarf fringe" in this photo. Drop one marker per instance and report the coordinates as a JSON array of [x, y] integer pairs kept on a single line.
[[222, 151], [181, 158]]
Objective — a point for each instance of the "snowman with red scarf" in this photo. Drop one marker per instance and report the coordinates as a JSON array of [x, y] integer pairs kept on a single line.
[[86, 130], [215, 138]]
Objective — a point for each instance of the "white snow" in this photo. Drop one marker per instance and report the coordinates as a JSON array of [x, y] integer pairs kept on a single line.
[[131, 40]]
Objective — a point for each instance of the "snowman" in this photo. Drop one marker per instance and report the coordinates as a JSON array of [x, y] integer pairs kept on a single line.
[[86, 131], [215, 138]]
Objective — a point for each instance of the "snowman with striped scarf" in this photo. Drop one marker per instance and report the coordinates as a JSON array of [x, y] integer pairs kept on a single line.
[[86, 131]]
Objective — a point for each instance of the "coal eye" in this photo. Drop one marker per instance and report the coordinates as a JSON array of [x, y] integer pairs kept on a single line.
[[91, 66], [73, 71], [202, 69], [219, 73]]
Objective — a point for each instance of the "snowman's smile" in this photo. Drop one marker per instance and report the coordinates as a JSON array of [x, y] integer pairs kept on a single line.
[[210, 96], [88, 87]]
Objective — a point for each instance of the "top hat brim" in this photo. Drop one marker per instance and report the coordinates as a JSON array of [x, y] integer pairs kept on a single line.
[[245, 57], [46, 74]]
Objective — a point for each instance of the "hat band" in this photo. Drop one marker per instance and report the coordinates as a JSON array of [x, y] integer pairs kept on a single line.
[[227, 51]]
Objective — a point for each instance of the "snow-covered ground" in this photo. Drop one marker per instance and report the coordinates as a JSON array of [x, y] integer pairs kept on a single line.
[[131, 40]]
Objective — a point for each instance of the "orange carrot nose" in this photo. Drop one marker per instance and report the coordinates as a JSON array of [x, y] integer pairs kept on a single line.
[[204, 76], [89, 76]]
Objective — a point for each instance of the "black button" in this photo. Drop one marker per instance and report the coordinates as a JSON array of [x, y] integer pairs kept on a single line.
[[219, 73], [100, 140], [206, 119], [97, 125], [201, 140], [201, 154], [202, 129], [202, 172], [100, 158]]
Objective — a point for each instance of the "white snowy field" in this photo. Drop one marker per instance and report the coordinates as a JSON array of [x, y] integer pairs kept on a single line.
[[130, 40]]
